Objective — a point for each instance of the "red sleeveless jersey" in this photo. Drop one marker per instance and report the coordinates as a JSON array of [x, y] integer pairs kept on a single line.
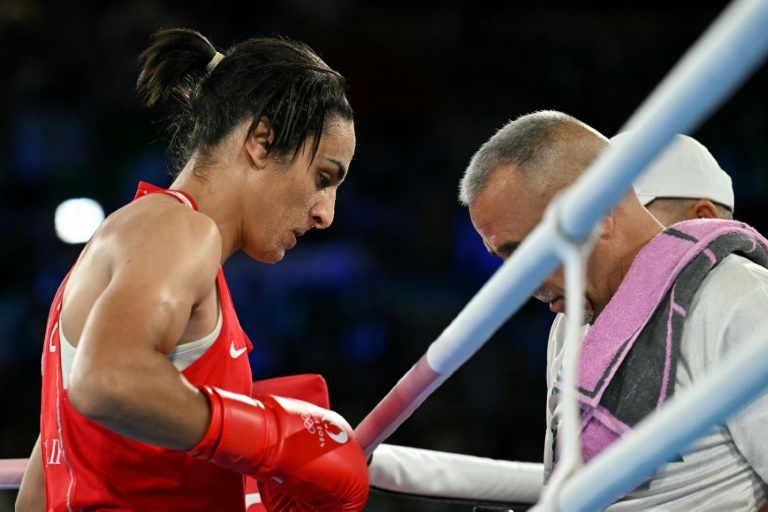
[[88, 467]]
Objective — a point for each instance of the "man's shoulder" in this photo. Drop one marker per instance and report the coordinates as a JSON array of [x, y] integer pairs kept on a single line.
[[736, 274], [737, 287]]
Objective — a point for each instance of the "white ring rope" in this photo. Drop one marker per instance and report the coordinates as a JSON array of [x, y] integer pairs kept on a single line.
[[574, 256], [441, 475]]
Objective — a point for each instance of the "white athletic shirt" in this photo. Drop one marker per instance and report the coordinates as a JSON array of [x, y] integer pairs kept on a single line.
[[727, 469], [182, 356]]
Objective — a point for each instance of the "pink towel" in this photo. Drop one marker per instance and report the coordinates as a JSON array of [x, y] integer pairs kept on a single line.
[[628, 358]]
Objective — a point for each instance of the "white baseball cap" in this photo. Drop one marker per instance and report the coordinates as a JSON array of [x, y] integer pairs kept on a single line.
[[685, 169]]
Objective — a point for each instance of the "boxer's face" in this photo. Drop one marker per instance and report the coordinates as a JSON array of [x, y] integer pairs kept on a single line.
[[505, 212], [299, 194]]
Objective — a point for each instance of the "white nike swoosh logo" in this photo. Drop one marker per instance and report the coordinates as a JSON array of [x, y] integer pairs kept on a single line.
[[235, 353]]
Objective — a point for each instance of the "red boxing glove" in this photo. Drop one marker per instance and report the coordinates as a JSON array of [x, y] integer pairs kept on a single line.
[[305, 458]]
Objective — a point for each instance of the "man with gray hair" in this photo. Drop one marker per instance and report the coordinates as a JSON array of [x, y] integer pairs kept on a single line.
[[685, 182], [664, 306]]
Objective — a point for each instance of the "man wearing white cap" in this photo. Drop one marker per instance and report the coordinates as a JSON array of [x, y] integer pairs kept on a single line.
[[684, 183], [663, 310]]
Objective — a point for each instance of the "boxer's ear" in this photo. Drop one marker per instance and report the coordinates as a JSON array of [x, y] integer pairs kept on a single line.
[[258, 143]]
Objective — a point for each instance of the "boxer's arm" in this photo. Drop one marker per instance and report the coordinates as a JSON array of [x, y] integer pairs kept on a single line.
[[31, 497], [442, 475], [121, 376]]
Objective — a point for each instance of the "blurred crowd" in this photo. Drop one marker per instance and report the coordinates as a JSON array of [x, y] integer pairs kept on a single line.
[[359, 303]]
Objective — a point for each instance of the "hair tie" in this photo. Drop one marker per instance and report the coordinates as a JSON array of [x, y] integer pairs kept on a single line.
[[214, 62]]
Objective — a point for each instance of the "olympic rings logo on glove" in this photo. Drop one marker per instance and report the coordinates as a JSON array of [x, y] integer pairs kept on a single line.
[[309, 423]]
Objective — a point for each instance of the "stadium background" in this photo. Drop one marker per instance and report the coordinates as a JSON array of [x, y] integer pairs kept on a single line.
[[359, 303]]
